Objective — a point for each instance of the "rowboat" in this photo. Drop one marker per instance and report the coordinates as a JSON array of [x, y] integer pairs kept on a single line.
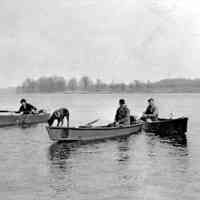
[[167, 127], [10, 119], [91, 133]]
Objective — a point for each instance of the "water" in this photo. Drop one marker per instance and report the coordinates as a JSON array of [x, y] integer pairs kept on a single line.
[[140, 167]]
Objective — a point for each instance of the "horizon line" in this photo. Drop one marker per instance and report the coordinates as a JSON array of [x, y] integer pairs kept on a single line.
[[94, 79]]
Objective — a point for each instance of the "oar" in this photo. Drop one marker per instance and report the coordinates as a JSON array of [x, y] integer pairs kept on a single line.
[[92, 122], [11, 111]]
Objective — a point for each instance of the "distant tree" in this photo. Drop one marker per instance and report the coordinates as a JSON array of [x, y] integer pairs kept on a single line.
[[29, 85], [43, 84], [85, 83], [122, 87], [99, 85], [131, 86], [148, 85], [113, 86], [58, 84], [138, 84], [72, 84]]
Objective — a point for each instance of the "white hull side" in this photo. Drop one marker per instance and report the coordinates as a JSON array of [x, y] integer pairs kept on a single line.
[[71, 134], [17, 119]]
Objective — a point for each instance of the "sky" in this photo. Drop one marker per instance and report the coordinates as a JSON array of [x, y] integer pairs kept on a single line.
[[114, 40]]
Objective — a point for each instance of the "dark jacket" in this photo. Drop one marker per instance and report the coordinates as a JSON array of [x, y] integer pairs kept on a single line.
[[28, 109], [123, 115], [152, 111]]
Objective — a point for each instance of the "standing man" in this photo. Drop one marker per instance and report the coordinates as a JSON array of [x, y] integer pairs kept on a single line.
[[26, 108], [151, 112], [122, 117]]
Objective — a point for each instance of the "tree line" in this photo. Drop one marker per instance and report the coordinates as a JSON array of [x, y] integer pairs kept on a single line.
[[86, 84]]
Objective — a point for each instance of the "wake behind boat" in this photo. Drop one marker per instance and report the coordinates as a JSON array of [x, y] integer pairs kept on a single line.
[[91, 133]]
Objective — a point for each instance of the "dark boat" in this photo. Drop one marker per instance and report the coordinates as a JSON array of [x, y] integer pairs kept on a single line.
[[167, 127]]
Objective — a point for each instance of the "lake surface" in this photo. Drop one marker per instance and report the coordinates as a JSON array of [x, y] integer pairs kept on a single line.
[[141, 167]]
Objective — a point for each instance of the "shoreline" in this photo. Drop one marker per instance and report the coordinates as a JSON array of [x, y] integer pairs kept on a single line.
[[86, 92]]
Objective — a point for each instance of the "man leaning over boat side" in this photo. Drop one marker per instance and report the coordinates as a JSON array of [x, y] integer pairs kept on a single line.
[[151, 112], [122, 116], [26, 108]]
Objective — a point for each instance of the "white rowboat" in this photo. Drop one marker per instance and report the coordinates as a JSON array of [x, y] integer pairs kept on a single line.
[[91, 133]]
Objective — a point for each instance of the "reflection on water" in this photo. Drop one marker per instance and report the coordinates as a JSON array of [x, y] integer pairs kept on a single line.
[[24, 126], [60, 151], [180, 141], [143, 163], [123, 151]]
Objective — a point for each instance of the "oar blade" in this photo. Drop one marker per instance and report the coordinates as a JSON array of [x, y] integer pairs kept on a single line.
[[92, 122], [6, 111]]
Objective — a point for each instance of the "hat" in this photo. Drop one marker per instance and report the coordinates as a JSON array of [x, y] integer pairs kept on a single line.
[[151, 99], [22, 100], [122, 101]]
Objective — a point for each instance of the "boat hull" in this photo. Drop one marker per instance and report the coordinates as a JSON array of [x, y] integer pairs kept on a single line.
[[167, 127], [94, 133], [18, 119]]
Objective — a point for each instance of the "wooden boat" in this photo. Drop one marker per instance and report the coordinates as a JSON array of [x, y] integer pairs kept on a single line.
[[167, 127], [10, 119], [91, 133]]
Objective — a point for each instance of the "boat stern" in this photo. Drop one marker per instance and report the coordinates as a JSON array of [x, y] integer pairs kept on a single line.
[[57, 133]]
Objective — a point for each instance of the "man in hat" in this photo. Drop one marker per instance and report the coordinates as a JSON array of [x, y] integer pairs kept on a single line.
[[122, 117], [151, 112], [26, 108]]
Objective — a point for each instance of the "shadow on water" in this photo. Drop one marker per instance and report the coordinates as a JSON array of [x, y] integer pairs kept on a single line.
[[124, 149], [63, 156], [25, 126], [58, 154], [174, 146], [62, 150], [175, 140], [123, 155], [20, 126]]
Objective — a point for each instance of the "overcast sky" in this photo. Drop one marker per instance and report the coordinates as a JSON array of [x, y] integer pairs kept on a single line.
[[120, 40]]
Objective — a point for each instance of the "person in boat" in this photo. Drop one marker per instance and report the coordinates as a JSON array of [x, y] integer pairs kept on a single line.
[[26, 108], [151, 112], [122, 116]]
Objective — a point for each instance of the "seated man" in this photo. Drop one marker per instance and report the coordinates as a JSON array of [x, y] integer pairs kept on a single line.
[[151, 113], [26, 108], [122, 117]]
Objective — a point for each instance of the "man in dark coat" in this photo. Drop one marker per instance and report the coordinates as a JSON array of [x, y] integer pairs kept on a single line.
[[26, 108], [151, 111], [122, 116]]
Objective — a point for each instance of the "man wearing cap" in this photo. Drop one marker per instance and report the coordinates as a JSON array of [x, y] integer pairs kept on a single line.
[[122, 117], [151, 112], [26, 108]]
